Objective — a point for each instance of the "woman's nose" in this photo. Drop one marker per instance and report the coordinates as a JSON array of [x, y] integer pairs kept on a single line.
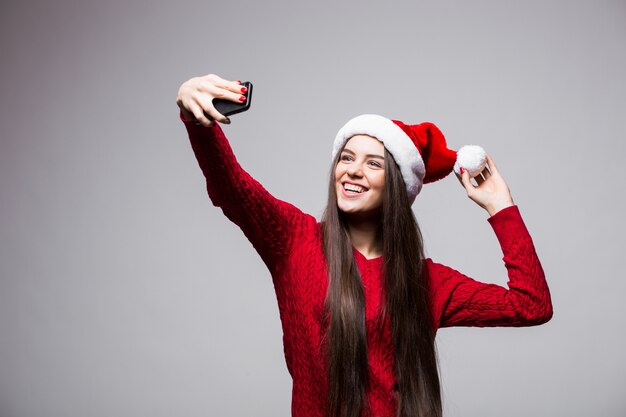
[[355, 170]]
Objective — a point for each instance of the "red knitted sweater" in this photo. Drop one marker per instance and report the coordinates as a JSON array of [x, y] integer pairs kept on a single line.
[[289, 242]]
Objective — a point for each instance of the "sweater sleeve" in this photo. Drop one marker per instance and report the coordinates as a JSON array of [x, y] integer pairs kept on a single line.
[[269, 223], [463, 301]]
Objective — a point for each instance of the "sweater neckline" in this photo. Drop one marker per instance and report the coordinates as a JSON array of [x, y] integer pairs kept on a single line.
[[360, 257]]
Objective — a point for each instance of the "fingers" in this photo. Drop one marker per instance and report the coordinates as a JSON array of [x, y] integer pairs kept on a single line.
[[493, 170], [492, 166], [199, 114], [217, 87], [205, 102], [486, 173], [222, 83], [479, 180], [491, 191], [466, 182], [225, 92], [223, 89], [483, 176]]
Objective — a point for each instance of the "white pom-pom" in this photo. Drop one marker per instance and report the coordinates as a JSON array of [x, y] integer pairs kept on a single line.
[[472, 158]]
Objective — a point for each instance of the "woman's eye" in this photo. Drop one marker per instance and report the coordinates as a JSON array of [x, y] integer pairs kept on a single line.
[[346, 158], [375, 164]]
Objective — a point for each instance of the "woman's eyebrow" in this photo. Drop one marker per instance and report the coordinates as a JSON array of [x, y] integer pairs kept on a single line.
[[369, 155]]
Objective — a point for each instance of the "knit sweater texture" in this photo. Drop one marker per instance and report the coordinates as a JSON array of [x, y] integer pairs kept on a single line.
[[290, 244]]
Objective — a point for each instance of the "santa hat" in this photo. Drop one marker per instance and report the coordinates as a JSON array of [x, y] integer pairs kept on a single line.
[[419, 150]]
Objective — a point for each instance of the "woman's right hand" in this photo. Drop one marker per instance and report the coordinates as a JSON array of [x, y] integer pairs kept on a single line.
[[195, 98]]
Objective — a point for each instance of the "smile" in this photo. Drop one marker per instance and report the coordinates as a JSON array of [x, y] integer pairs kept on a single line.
[[352, 190], [353, 187]]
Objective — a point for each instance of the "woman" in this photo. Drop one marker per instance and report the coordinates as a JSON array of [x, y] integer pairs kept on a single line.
[[358, 301]]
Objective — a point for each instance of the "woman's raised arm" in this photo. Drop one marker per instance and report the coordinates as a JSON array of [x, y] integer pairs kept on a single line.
[[463, 301], [270, 224]]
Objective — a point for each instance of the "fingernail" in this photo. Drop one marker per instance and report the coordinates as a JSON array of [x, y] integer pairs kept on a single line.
[[227, 121], [238, 81], [243, 90], [462, 171], [242, 99]]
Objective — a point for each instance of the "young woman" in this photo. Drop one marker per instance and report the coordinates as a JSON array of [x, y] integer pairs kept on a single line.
[[358, 301]]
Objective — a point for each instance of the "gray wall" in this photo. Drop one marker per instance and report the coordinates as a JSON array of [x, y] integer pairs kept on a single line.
[[124, 292]]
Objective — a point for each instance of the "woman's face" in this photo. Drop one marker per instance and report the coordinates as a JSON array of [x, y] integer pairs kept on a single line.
[[360, 176]]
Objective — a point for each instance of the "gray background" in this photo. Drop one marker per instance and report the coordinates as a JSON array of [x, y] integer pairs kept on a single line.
[[124, 292]]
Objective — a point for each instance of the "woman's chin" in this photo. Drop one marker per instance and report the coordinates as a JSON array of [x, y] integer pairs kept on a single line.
[[349, 208], [359, 212]]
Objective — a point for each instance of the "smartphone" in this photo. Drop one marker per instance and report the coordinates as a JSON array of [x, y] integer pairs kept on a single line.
[[227, 107]]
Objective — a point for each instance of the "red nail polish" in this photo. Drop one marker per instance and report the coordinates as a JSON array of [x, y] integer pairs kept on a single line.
[[242, 99], [243, 90], [462, 171], [238, 81]]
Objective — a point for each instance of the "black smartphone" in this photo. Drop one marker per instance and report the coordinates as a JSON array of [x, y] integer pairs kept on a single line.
[[227, 107]]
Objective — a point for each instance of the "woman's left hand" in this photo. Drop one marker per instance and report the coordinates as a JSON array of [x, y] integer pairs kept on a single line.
[[492, 193]]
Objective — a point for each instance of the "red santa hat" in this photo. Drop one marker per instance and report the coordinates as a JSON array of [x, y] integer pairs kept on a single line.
[[419, 150]]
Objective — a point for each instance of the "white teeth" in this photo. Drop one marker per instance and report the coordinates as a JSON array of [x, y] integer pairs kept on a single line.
[[352, 187]]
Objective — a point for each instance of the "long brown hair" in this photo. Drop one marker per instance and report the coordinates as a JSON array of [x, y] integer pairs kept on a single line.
[[406, 303]]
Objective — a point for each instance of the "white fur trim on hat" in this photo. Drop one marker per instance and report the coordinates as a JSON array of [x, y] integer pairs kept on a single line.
[[399, 145], [473, 158]]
